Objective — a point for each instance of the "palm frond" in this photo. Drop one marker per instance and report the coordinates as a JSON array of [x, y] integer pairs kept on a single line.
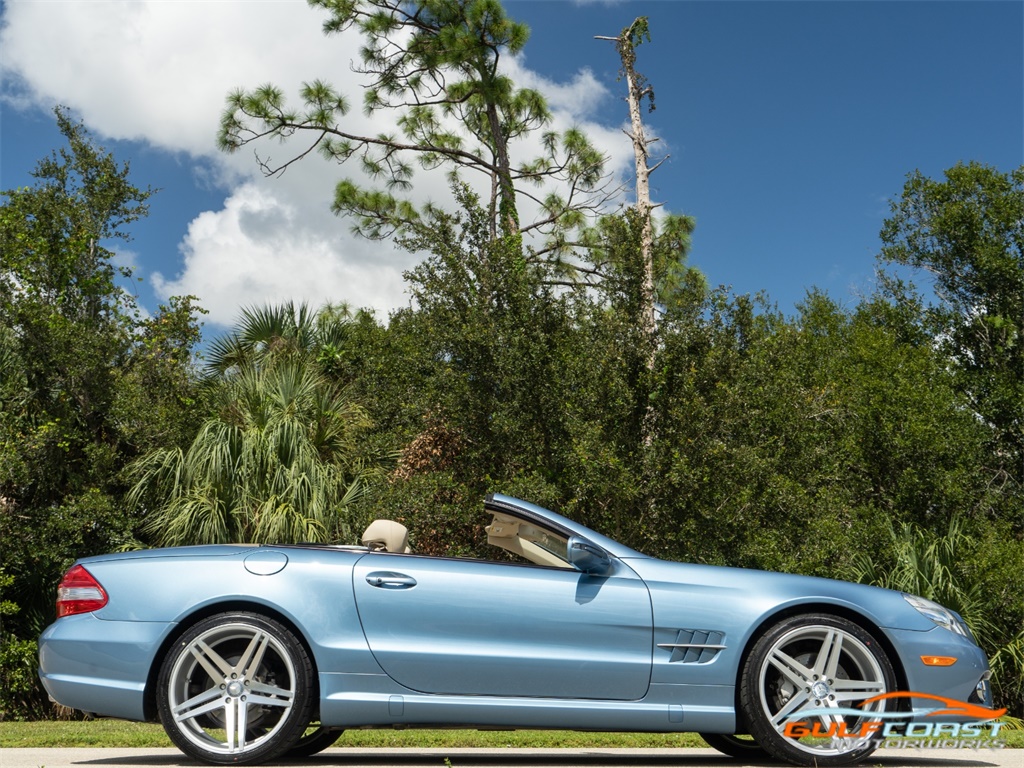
[[278, 460]]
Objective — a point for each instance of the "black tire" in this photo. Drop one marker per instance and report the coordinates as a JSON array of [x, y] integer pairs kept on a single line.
[[235, 689], [809, 663], [317, 739], [742, 747]]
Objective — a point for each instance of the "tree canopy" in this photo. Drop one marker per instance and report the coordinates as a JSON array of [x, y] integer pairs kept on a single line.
[[86, 384], [966, 232], [437, 65]]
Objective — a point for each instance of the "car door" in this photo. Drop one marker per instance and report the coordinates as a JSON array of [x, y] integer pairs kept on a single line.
[[453, 626]]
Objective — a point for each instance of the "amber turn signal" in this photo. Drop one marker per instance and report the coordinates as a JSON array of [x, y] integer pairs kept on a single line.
[[939, 661]]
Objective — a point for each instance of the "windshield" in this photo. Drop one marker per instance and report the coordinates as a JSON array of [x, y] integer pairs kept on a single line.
[[537, 545]]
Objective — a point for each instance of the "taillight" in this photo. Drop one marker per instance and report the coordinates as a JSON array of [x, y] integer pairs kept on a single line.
[[79, 592]]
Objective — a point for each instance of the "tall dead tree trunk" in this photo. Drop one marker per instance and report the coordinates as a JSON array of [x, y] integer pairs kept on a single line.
[[637, 89]]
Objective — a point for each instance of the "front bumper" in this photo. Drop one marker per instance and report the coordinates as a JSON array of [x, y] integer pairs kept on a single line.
[[958, 681]]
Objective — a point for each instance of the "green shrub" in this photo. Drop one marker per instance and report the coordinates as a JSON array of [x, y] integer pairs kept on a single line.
[[21, 697]]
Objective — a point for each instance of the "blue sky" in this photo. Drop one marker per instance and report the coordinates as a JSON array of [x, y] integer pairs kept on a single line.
[[789, 125]]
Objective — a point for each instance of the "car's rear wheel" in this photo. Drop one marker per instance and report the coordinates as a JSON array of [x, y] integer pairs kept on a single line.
[[236, 688], [316, 739], [740, 746], [804, 688]]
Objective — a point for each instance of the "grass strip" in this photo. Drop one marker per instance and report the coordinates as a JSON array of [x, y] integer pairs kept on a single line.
[[120, 733]]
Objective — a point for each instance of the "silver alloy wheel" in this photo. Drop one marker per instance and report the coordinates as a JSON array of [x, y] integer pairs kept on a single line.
[[231, 688], [810, 689]]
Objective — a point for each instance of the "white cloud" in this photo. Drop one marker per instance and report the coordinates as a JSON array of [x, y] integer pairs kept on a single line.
[[255, 251], [159, 70], [581, 97]]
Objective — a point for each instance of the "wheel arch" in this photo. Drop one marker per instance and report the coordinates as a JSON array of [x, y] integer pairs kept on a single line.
[[204, 612], [845, 612]]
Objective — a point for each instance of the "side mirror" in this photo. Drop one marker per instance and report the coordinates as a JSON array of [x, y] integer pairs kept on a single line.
[[589, 558]]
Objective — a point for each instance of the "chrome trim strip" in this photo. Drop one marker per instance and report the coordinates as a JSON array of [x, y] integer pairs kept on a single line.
[[691, 645]]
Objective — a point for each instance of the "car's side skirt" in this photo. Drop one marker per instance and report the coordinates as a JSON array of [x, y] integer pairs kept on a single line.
[[353, 701]]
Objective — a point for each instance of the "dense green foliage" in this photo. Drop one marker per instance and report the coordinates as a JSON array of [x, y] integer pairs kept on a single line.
[[278, 457], [966, 234], [18, 686], [86, 384]]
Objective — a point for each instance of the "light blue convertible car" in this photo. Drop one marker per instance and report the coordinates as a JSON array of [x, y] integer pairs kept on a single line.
[[251, 653]]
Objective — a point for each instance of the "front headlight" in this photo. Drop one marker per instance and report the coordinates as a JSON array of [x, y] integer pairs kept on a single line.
[[941, 616]]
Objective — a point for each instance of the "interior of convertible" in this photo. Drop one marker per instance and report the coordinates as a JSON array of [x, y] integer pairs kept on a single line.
[[519, 538]]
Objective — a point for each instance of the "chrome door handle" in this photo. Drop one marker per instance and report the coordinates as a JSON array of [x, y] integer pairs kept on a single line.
[[390, 580]]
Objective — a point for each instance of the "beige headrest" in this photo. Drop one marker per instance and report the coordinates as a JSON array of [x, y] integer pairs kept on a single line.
[[387, 535]]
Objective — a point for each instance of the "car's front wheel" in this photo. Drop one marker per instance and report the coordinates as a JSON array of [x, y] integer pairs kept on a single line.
[[235, 688], [804, 688], [742, 747]]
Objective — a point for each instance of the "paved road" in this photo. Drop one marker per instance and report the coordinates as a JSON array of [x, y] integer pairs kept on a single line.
[[496, 758]]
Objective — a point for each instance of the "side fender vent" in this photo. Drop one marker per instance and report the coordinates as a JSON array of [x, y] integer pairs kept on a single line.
[[695, 646]]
